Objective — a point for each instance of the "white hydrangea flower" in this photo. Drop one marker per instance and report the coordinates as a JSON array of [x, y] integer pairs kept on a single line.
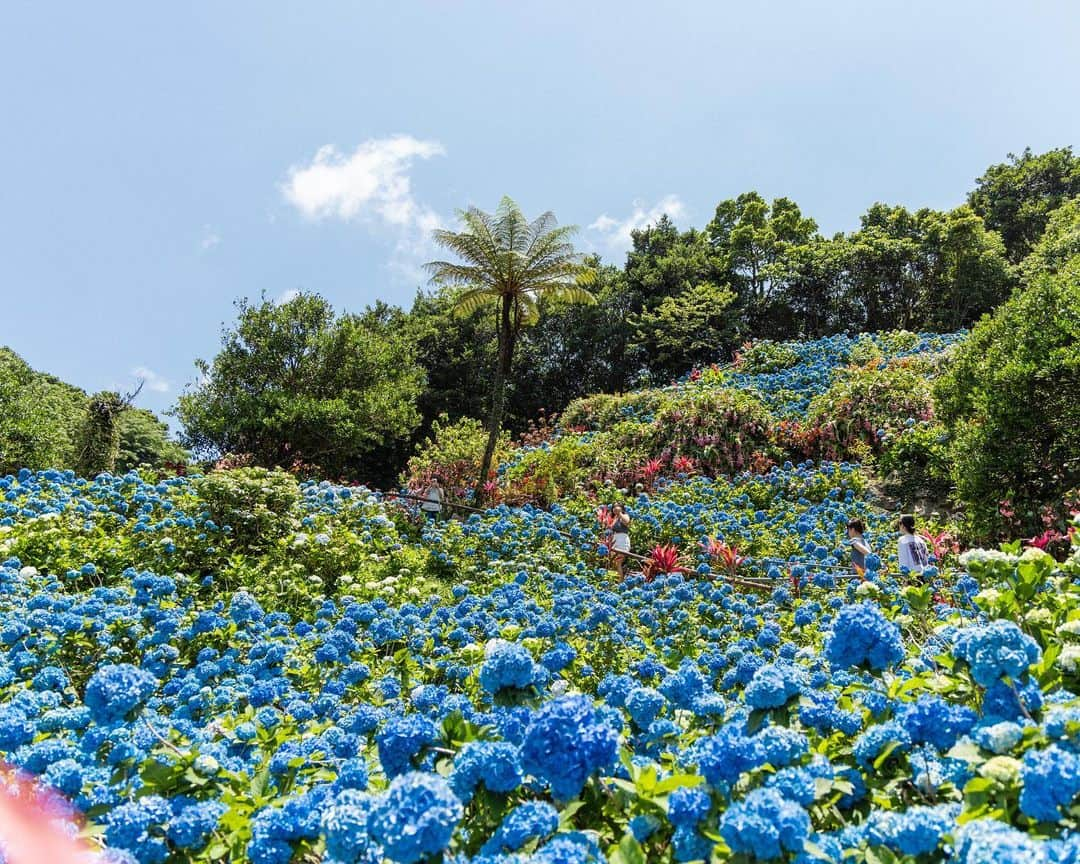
[[1003, 769], [979, 556], [1069, 658]]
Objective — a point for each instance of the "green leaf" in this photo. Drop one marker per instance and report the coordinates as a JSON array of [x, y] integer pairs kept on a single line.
[[630, 850], [966, 751], [886, 752]]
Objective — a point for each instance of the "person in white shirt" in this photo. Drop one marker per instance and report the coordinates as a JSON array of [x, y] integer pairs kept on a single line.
[[912, 551], [433, 499]]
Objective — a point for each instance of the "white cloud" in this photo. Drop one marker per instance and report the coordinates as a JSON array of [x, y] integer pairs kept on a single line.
[[210, 238], [285, 296], [153, 381], [372, 184], [615, 233]]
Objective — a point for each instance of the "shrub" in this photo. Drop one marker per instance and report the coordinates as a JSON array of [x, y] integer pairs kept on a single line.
[[253, 502], [548, 472], [1011, 402], [605, 409], [765, 356], [453, 451], [98, 441], [864, 406], [724, 431], [915, 462]]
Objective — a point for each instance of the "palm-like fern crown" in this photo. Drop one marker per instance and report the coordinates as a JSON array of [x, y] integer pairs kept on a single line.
[[503, 254]]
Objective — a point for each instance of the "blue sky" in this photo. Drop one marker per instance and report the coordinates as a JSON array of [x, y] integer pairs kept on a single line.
[[161, 160]]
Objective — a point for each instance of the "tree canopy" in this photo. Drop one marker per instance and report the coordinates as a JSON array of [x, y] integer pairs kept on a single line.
[[293, 383]]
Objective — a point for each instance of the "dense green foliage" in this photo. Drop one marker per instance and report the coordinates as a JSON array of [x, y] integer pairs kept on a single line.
[[1011, 400], [97, 444], [45, 422], [38, 416], [453, 451], [758, 270], [295, 384], [1015, 198], [144, 441]]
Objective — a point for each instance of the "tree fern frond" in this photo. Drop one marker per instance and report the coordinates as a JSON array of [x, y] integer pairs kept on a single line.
[[473, 300]]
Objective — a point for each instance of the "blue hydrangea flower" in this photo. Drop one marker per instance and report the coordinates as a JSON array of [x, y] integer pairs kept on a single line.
[[415, 817], [402, 739], [530, 820], [1051, 780], [996, 650], [506, 664], [495, 763], [862, 635], [565, 743], [772, 686], [191, 824], [723, 757], [643, 705], [345, 826], [688, 805], [765, 824], [915, 831], [114, 692]]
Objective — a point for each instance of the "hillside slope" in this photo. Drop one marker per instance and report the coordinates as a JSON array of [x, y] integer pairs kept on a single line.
[[240, 667]]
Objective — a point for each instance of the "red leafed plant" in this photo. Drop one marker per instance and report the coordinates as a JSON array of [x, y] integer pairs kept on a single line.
[[684, 465], [662, 559], [941, 543], [651, 468], [1045, 539], [727, 556], [605, 517]]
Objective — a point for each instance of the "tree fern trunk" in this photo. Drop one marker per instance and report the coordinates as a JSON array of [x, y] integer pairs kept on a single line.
[[498, 394]]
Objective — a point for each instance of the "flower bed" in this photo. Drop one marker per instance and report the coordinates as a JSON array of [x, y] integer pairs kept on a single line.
[[534, 709]]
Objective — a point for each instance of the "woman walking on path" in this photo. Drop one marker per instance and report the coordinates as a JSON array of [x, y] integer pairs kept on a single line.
[[911, 551], [433, 499], [859, 547], [620, 537]]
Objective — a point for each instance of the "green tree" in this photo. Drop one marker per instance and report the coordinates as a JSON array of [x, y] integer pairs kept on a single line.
[[39, 416], [1059, 242], [1016, 197], [814, 298], [98, 440], [294, 383], [457, 354], [662, 263], [572, 350], [753, 243], [692, 328], [144, 440], [1011, 402], [511, 264], [883, 271], [923, 270], [964, 271]]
